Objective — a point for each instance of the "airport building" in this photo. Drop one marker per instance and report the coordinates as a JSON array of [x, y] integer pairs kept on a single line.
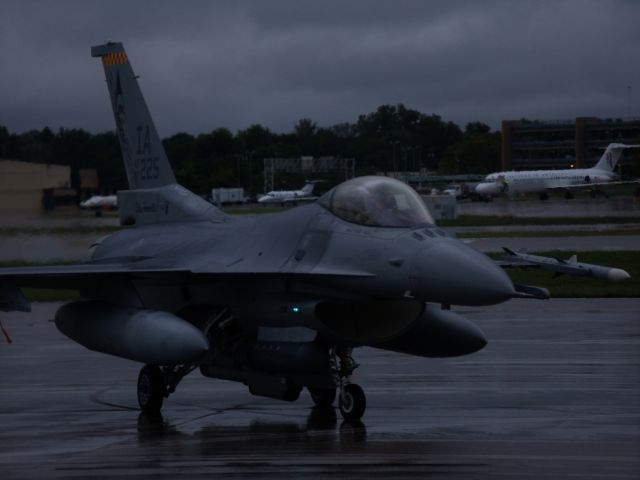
[[25, 187], [579, 143]]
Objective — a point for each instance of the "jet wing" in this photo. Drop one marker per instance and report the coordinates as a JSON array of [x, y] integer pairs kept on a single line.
[[570, 266], [73, 276], [79, 275], [66, 276]]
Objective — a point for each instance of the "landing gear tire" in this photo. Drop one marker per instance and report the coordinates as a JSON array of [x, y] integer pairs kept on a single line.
[[352, 402], [150, 389], [323, 397]]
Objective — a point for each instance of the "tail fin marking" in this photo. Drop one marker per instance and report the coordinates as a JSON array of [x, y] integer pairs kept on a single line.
[[145, 160], [154, 195], [611, 155]]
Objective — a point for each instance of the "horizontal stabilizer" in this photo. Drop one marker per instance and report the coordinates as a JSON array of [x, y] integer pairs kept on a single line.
[[171, 203], [12, 298]]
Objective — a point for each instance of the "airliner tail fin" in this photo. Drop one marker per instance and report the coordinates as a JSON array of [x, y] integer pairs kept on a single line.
[[611, 155]]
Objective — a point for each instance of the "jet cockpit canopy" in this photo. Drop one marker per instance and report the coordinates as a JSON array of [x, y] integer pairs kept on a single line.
[[377, 201]]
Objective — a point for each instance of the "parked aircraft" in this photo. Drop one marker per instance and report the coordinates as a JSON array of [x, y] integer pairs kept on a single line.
[[277, 302], [544, 181], [305, 194], [97, 202]]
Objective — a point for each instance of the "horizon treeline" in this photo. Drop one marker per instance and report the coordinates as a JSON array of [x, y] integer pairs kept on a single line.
[[391, 138]]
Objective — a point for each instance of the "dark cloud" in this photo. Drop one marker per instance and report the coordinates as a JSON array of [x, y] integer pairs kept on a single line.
[[209, 64]]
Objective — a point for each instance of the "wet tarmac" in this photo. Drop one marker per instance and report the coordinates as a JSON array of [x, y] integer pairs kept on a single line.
[[555, 394]]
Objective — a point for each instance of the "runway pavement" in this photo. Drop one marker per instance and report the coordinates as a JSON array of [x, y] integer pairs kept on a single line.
[[555, 394]]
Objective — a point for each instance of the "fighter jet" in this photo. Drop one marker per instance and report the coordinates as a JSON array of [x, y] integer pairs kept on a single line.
[[275, 301], [305, 194]]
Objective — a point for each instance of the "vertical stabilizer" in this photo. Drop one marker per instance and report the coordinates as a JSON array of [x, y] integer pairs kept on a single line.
[[144, 156], [308, 188], [611, 155]]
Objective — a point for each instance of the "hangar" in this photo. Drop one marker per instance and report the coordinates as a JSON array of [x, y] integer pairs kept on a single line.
[[25, 186]]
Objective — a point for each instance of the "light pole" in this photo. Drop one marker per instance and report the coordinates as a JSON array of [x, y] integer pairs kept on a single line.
[[393, 145]]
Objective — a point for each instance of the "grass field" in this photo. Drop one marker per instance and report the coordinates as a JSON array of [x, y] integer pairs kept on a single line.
[[551, 233], [508, 220]]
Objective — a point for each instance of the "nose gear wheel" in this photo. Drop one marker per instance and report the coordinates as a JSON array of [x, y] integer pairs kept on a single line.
[[352, 401]]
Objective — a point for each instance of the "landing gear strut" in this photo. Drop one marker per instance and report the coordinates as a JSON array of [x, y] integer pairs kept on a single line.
[[156, 383], [352, 400]]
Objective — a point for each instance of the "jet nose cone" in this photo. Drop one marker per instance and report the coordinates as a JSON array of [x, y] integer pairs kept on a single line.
[[451, 272]]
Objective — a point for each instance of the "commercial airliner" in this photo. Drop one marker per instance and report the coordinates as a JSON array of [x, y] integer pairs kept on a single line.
[[542, 181]]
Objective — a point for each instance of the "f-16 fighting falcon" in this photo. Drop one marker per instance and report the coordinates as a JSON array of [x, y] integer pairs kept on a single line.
[[277, 301]]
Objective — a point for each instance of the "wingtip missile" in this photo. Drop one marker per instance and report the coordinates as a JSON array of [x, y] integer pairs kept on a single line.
[[617, 275], [570, 267]]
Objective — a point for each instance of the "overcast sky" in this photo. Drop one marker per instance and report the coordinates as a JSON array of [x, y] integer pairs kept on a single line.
[[209, 64]]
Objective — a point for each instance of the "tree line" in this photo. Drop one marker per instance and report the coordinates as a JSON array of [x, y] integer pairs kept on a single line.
[[392, 137]]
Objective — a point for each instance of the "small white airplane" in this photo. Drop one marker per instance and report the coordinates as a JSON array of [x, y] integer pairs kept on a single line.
[[542, 181], [100, 202], [291, 196]]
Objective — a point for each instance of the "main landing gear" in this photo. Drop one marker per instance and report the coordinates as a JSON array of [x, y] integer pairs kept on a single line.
[[352, 400], [150, 389], [157, 383]]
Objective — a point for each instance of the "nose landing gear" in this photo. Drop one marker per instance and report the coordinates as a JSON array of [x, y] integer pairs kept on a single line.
[[352, 401]]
